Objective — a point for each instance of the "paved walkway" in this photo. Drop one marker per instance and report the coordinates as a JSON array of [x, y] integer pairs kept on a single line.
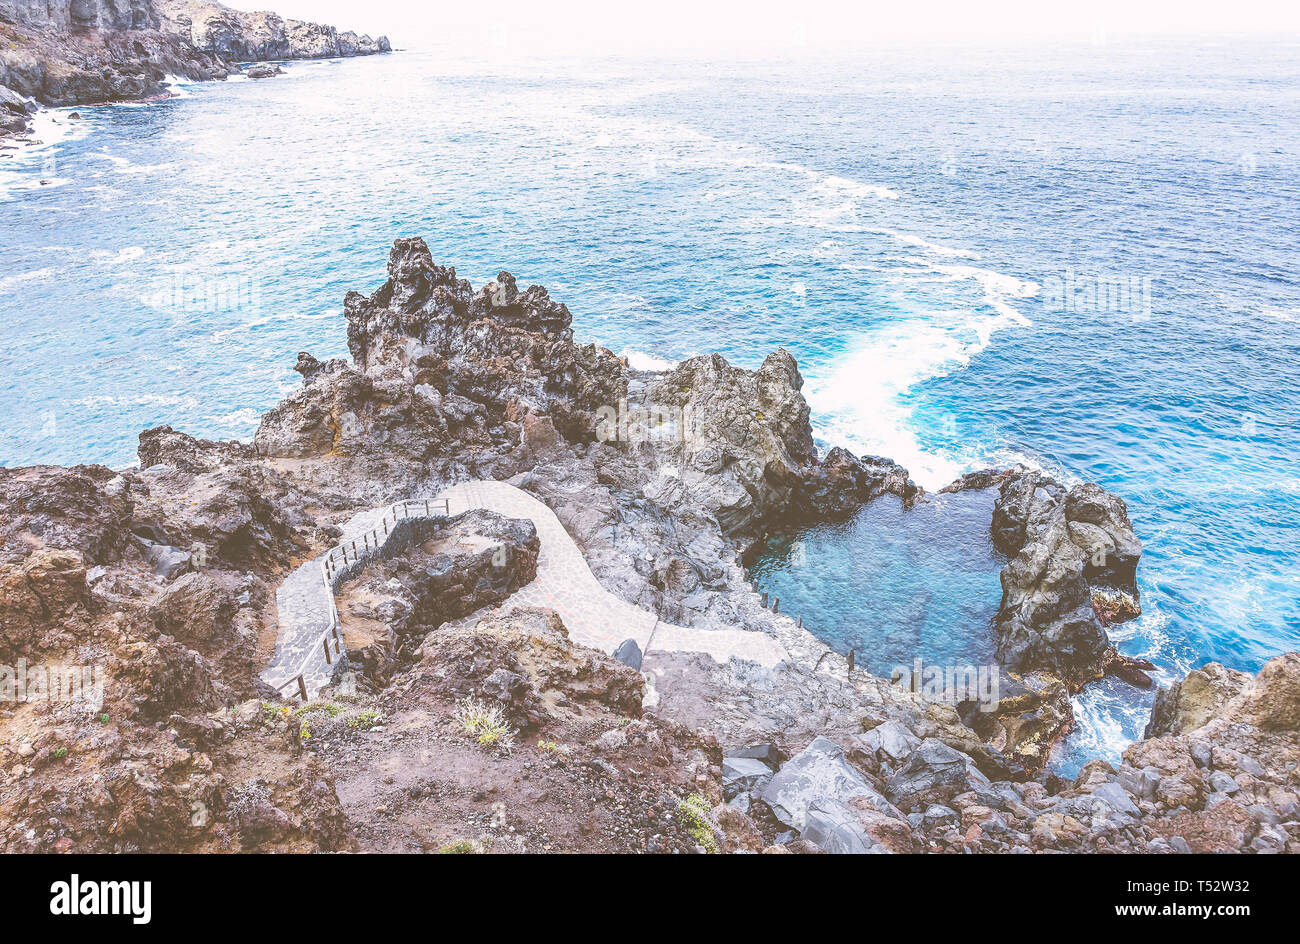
[[594, 616]]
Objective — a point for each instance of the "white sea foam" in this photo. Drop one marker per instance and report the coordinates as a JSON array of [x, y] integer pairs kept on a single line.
[[177, 86], [238, 419], [11, 283], [926, 244], [148, 399], [34, 165], [639, 360], [1104, 723], [119, 258], [125, 166], [861, 403]]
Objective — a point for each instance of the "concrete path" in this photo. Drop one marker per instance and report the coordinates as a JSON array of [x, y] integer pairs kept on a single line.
[[594, 616]]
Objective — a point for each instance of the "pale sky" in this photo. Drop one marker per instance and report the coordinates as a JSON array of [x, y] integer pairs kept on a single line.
[[729, 26]]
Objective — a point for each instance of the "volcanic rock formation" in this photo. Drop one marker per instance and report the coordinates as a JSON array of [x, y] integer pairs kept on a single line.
[[71, 52], [466, 724]]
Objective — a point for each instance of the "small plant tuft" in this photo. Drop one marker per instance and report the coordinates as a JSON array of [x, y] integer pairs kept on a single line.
[[329, 708], [693, 814], [464, 847], [486, 722]]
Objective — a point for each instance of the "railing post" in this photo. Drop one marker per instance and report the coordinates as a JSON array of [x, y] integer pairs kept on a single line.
[[302, 687], [326, 644], [776, 605]]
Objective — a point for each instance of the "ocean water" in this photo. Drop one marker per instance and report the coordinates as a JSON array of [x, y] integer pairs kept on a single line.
[[1077, 257]]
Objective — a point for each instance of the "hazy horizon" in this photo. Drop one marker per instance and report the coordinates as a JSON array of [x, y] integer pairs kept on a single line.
[[730, 29]]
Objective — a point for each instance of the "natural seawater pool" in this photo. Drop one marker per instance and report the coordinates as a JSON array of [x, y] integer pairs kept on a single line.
[[893, 584], [894, 221]]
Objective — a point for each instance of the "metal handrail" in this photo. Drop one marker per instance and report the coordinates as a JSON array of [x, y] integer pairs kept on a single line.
[[328, 568]]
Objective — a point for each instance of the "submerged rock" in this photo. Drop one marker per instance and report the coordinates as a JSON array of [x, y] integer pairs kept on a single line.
[[263, 71]]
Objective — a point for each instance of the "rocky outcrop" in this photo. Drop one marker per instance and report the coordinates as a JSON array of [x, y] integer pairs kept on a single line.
[[510, 351], [68, 15], [83, 53], [165, 576], [1195, 699], [123, 720], [61, 52], [450, 570], [514, 660], [841, 483], [1215, 774], [240, 37], [442, 372], [738, 441], [1033, 713], [574, 765], [15, 113], [1072, 571]]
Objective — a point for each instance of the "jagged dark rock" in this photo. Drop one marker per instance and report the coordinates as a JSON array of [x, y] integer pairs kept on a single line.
[[1072, 571], [841, 482]]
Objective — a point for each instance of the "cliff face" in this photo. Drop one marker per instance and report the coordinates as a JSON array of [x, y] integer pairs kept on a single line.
[[231, 34], [72, 52], [80, 14]]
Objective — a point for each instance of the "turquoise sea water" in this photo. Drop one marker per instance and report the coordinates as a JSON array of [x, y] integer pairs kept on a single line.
[[1082, 258]]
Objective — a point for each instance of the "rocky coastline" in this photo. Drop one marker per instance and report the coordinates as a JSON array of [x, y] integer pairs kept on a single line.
[[455, 722], [59, 53]]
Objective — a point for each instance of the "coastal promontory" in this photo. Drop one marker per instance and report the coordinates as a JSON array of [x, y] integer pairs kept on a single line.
[[459, 710], [62, 52]]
